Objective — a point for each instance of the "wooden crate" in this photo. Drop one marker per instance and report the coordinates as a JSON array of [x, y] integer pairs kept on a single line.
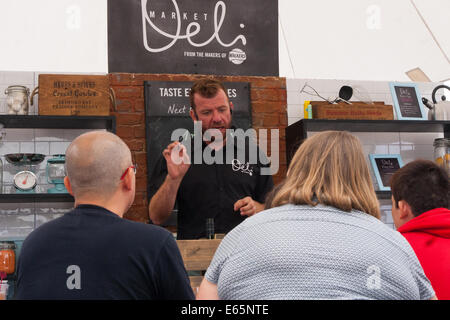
[[354, 111], [84, 95], [197, 255]]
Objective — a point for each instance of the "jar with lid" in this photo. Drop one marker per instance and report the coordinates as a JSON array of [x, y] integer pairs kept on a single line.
[[17, 99], [7, 257], [442, 152]]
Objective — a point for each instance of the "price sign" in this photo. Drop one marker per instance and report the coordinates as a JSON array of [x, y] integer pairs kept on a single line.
[[384, 166], [407, 101]]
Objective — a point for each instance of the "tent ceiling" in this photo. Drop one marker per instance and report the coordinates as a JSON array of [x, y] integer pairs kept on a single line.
[[345, 39], [364, 39]]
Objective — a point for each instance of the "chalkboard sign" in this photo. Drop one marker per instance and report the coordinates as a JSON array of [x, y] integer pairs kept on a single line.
[[171, 98], [167, 108], [384, 166], [407, 101], [229, 37]]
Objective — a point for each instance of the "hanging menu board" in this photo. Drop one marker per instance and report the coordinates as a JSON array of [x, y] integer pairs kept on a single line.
[[230, 37]]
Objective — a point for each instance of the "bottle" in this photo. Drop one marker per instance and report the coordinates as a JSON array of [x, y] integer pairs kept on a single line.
[[210, 228], [310, 111], [4, 289], [306, 103], [7, 257]]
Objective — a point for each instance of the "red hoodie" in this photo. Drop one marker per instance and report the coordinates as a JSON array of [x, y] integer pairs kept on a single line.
[[429, 236]]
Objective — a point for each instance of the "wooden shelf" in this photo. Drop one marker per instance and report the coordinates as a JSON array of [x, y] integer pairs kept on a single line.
[[59, 122], [35, 197], [297, 131], [376, 125], [51, 122]]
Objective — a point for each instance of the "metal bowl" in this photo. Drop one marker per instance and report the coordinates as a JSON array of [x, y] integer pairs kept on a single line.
[[24, 158]]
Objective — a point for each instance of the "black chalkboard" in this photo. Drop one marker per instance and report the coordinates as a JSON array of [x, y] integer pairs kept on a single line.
[[171, 98], [167, 109], [387, 168], [384, 167], [407, 101], [228, 37]]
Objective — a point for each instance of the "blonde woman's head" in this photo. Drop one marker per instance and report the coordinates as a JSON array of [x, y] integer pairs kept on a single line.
[[329, 168]]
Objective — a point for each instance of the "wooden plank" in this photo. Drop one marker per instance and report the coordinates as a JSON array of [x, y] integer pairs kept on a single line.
[[356, 110], [86, 95], [195, 281], [197, 254]]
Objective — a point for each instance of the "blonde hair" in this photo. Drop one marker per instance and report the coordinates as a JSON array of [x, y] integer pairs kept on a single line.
[[328, 168]]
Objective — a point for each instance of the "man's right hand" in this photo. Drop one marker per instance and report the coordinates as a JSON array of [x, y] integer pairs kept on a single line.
[[177, 159]]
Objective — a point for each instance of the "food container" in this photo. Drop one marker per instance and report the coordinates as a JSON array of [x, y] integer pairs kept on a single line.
[[210, 228], [7, 257], [3, 289], [17, 99], [442, 153]]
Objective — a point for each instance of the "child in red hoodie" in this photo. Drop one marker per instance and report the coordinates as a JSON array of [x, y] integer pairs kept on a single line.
[[420, 210]]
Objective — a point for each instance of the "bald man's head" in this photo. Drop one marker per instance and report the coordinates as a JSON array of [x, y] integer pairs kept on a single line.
[[95, 162]]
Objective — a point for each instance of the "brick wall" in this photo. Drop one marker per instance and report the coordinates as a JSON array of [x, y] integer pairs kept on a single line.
[[269, 111]]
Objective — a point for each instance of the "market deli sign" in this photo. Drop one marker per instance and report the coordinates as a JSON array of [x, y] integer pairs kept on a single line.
[[230, 37]]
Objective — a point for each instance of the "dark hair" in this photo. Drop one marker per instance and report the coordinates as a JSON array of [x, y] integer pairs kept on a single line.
[[206, 88], [422, 184]]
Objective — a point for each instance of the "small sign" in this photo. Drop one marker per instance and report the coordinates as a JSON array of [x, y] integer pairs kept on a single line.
[[407, 101], [384, 166], [171, 98], [357, 111], [84, 95]]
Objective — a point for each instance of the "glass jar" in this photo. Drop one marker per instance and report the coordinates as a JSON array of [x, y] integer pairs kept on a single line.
[[7, 257], [442, 153], [1, 176], [4, 289], [17, 99]]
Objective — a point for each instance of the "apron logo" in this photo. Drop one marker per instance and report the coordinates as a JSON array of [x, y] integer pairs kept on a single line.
[[236, 165]]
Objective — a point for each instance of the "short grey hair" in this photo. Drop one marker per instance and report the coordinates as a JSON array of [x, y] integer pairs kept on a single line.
[[95, 162]]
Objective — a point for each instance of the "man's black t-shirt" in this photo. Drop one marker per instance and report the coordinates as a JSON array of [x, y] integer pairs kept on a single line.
[[210, 190], [91, 253]]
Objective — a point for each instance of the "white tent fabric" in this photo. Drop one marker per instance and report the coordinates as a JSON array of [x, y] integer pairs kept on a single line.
[[54, 36], [364, 39], [320, 39]]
